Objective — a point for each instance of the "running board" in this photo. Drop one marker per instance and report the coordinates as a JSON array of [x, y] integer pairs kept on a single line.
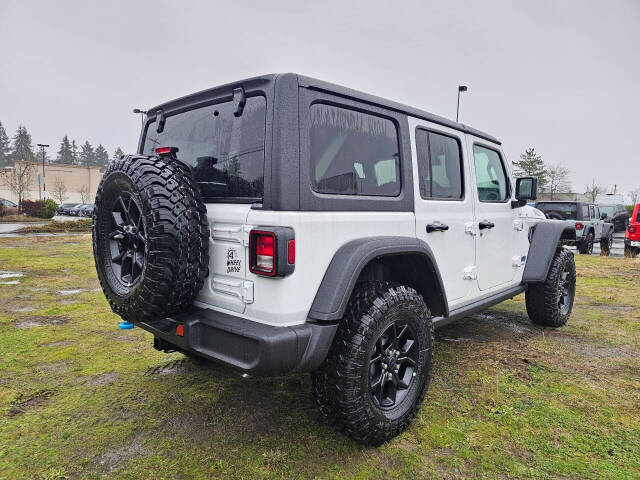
[[478, 306]]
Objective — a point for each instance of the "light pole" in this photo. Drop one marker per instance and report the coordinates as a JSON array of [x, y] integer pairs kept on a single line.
[[142, 114], [44, 183], [461, 88]]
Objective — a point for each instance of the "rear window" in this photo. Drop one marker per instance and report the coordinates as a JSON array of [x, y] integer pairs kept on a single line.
[[225, 151], [353, 153], [559, 211]]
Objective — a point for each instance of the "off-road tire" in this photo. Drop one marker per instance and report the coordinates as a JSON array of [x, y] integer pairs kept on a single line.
[[606, 244], [542, 299], [631, 252], [586, 247], [176, 249], [341, 385]]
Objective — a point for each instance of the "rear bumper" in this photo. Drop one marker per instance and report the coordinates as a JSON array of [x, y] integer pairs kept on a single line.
[[248, 346]]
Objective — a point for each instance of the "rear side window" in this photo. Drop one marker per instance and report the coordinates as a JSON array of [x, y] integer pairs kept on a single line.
[[491, 177], [353, 153], [225, 151], [558, 211], [439, 165]]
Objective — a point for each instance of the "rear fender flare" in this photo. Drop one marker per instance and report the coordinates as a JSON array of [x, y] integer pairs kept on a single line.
[[351, 258]]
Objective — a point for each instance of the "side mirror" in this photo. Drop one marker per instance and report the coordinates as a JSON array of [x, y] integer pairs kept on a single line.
[[526, 189], [603, 216]]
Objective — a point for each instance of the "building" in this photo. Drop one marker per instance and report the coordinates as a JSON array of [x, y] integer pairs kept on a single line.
[[563, 197], [75, 180]]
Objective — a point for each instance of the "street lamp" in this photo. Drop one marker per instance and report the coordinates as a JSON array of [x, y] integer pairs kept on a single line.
[[461, 88], [44, 184], [142, 114]]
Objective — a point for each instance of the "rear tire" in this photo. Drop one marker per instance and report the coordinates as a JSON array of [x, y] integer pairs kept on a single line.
[[550, 303], [150, 237], [378, 368]]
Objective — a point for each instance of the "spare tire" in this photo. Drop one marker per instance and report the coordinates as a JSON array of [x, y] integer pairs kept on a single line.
[[150, 237]]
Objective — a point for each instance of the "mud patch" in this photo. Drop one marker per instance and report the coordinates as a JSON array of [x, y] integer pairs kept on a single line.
[[104, 379], [55, 367], [24, 403], [36, 321], [23, 309], [61, 343], [617, 308], [170, 368], [116, 457]]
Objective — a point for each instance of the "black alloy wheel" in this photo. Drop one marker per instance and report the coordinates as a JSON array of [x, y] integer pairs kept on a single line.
[[392, 365], [565, 290], [127, 240]]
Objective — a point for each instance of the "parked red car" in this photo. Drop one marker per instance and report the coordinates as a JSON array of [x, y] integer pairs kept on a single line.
[[632, 235], [8, 207]]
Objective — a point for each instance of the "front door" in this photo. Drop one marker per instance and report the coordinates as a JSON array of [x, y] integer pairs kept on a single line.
[[496, 243], [444, 206]]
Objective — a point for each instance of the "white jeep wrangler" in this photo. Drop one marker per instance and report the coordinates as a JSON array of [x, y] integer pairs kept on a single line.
[[282, 224]]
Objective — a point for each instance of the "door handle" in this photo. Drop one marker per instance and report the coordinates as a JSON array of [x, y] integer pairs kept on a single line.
[[486, 224], [437, 227]]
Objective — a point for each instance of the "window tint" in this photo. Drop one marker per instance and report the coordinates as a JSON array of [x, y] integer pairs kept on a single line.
[[353, 153], [592, 212], [225, 151], [491, 178], [585, 212], [558, 211], [439, 165]]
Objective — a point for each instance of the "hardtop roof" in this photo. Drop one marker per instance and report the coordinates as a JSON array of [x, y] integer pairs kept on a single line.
[[320, 85]]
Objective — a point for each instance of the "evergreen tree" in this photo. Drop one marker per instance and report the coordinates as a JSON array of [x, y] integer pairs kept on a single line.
[[87, 156], [117, 154], [65, 154], [74, 153], [101, 157], [531, 165], [22, 148], [5, 148]]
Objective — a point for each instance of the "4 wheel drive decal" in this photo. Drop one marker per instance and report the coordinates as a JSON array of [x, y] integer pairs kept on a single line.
[[234, 262]]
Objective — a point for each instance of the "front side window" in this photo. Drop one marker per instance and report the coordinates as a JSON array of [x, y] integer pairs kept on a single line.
[[353, 153], [491, 178], [439, 166], [225, 151], [593, 212]]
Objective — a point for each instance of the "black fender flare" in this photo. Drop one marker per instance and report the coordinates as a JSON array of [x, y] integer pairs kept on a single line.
[[606, 229], [544, 240], [348, 262]]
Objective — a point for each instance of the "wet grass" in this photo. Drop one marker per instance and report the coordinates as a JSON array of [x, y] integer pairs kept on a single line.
[[81, 399]]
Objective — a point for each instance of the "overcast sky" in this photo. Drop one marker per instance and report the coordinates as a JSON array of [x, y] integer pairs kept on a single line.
[[560, 76]]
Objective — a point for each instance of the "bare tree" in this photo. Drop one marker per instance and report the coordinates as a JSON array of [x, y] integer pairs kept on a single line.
[[558, 179], [634, 195], [592, 191], [59, 190], [84, 194], [18, 179]]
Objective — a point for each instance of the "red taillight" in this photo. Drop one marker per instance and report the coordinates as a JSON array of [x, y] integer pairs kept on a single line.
[[632, 229], [262, 246], [579, 226], [180, 330], [166, 150], [291, 252]]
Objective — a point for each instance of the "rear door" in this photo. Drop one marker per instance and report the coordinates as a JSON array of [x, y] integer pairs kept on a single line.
[[444, 205], [496, 242]]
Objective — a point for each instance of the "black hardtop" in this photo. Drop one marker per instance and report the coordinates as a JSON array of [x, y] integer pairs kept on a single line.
[[268, 81]]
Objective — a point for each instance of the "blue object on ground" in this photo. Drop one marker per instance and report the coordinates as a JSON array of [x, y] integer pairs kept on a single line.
[[125, 325]]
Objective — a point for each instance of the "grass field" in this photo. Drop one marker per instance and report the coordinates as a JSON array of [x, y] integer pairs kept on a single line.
[[81, 399]]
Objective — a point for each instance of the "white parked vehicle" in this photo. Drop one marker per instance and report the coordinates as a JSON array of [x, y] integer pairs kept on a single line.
[[283, 224]]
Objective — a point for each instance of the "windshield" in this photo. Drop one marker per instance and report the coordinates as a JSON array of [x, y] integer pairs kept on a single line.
[[226, 151], [559, 211]]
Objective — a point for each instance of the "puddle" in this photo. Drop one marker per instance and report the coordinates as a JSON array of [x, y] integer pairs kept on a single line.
[[12, 282], [5, 274], [75, 291], [461, 339], [32, 322]]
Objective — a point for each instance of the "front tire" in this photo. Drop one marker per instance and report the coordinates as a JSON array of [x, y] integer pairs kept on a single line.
[[378, 368], [606, 244], [587, 244], [550, 303]]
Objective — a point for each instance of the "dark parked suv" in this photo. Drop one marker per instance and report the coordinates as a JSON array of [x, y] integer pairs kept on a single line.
[[616, 214]]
